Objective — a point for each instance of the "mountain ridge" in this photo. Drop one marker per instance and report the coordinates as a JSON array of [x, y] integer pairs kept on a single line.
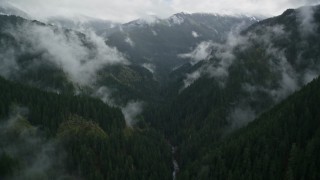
[[242, 78]]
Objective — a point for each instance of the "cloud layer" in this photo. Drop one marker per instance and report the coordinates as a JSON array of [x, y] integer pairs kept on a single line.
[[131, 111], [267, 73], [123, 10], [79, 56]]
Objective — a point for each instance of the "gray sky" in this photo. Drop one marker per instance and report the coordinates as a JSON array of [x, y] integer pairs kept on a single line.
[[126, 10]]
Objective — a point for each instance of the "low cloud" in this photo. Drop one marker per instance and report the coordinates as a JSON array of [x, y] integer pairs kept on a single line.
[[191, 78], [131, 112], [221, 57], [310, 75], [200, 53], [282, 76], [307, 21], [24, 144], [150, 67], [105, 95], [241, 116], [8, 62], [278, 64], [79, 56], [288, 81], [154, 33], [195, 34], [129, 41]]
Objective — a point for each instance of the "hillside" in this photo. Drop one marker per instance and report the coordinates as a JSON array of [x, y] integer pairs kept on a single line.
[[77, 136], [282, 143], [158, 42], [47, 56], [242, 78], [68, 61]]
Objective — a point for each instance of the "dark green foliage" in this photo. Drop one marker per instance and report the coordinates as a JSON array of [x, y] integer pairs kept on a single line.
[[198, 117], [280, 144], [7, 165], [128, 155], [77, 126], [96, 145], [50, 109], [129, 82], [82, 140], [144, 156]]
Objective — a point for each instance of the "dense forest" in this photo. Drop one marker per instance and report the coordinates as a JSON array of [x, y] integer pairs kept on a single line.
[[282, 143], [271, 60], [87, 139]]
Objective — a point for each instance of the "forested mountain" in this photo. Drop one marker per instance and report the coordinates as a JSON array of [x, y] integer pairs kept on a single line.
[[282, 143], [67, 61], [251, 72], [241, 78], [157, 43], [193, 96], [50, 136], [47, 56]]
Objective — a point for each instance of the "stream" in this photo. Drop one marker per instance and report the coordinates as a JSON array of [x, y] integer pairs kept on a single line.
[[174, 162]]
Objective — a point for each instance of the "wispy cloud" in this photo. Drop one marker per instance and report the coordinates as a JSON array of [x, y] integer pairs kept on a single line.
[[200, 53], [221, 57], [23, 143], [280, 76], [131, 111], [307, 21], [123, 10], [79, 56]]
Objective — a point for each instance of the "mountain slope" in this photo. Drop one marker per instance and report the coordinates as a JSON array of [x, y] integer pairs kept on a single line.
[[266, 63], [47, 56], [244, 77], [67, 61], [282, 143], [45, 135], [158, 42]]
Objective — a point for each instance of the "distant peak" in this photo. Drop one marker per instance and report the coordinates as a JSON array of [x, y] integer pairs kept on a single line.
[[177, 19], [208, 14], [182, 13], [147, 20]]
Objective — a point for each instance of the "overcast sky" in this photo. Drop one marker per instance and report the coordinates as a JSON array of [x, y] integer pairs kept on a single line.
[[126, 10]]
